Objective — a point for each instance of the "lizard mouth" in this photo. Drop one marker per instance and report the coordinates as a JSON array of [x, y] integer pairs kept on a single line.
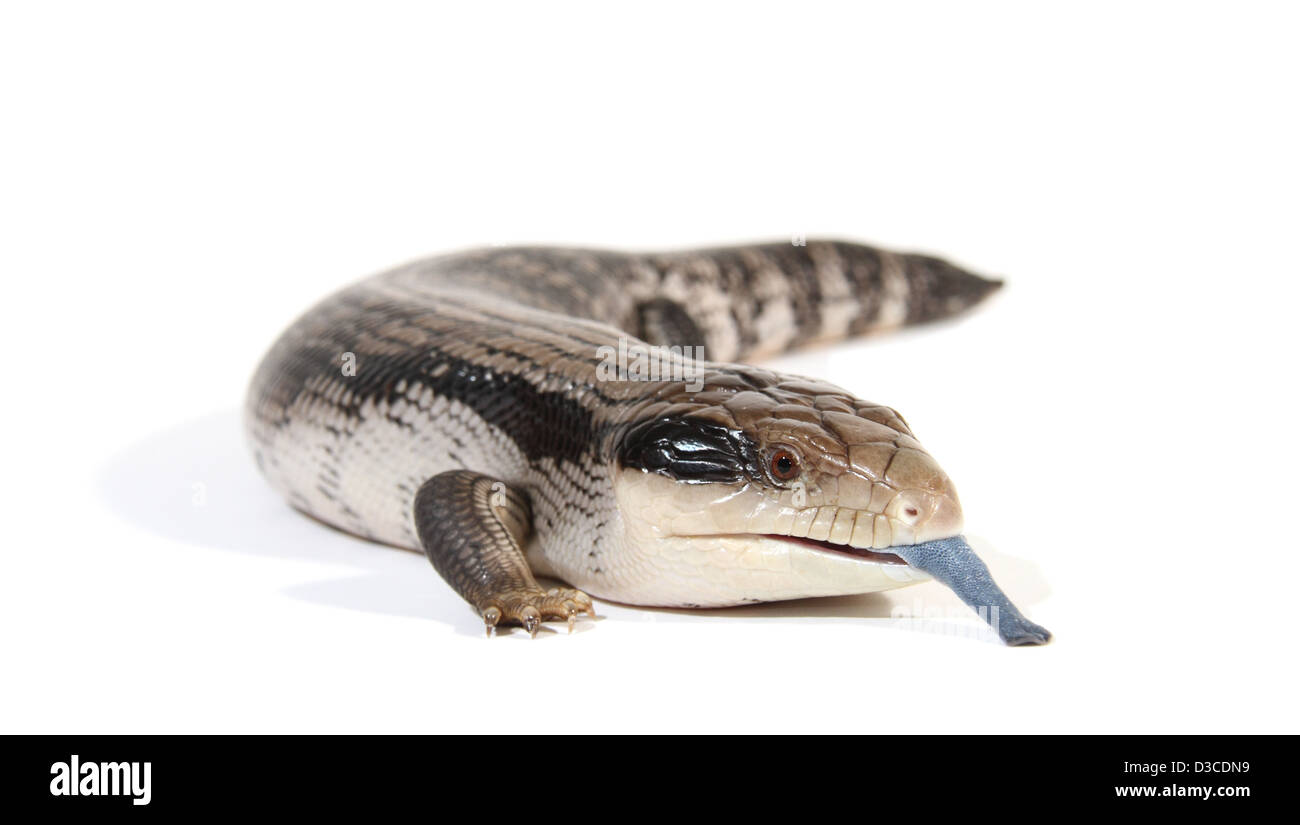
[[844, 549]]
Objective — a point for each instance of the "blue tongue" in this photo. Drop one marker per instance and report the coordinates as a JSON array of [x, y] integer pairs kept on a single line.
[[954, 563]]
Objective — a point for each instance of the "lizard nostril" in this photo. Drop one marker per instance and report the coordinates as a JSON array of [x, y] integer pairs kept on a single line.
[[912, 511]]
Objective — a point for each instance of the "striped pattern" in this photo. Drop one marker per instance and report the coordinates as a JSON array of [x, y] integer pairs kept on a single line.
[[488, 361]]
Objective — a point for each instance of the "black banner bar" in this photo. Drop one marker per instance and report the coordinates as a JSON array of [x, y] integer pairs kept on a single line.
[[989, 775]]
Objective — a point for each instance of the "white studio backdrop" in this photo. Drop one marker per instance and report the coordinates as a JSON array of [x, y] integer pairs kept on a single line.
[[177, 182]]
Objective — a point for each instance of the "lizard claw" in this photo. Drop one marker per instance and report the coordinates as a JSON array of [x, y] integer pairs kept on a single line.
[[530, 607], [530, 619], [584, 604], [490, 618]]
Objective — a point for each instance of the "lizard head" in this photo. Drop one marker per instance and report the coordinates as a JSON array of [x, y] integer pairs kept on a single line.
[[761, 487]]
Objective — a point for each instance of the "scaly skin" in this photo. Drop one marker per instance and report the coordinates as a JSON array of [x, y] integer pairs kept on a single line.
[[476, 407]]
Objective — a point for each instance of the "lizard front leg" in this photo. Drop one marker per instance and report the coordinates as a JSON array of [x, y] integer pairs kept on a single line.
[[473, 528]]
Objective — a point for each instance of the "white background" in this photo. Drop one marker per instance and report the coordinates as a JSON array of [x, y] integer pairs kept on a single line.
[[178, 181]]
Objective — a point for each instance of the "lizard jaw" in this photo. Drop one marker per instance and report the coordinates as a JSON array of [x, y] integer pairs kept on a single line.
[[865, 553]]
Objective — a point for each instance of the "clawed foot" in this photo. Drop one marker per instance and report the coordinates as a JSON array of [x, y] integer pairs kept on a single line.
[[529, 608]]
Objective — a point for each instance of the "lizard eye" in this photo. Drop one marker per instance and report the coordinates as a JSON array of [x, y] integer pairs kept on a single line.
[[784, 465]]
